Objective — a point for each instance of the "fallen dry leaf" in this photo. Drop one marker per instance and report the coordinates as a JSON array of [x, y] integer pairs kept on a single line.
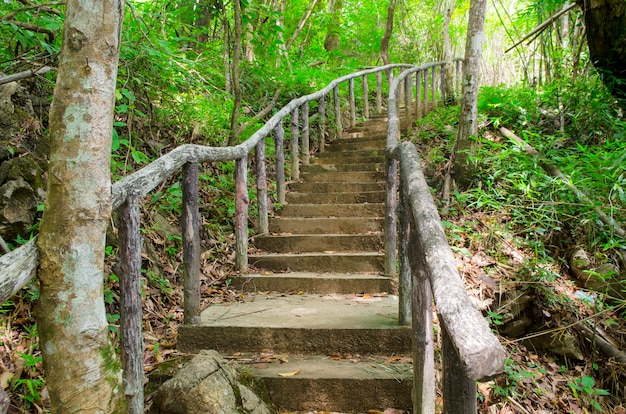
[[289, 374]]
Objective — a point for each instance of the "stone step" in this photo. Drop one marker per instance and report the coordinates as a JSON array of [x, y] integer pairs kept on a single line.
[[339, 385], [332, 210], [308, 243], [325, 225], [362, 153], [341, 167], [301, 324], [353, 145], [335, 198], [311, 282], [347, 158], [335, 187], [346, 137], [327, 176], [359, 262]]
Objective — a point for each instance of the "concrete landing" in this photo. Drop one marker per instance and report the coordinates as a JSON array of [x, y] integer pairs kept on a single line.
[[301, 324]]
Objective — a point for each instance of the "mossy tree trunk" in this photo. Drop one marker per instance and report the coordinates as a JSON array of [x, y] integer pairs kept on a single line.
[[333, 33], [606, 36], [468, 126], [82, 370]]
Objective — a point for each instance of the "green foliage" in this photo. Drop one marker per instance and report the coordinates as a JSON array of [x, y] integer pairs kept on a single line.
[[586, 387]]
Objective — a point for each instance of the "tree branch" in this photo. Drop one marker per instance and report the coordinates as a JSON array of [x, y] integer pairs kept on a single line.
[[537, 30], [25, 74]]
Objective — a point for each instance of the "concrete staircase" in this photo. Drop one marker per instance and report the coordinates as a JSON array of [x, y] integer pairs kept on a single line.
[[319, 327]]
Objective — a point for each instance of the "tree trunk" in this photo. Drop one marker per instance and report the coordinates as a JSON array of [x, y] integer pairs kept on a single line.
[[384, 43], [447, 53], [605, 21], [82, 370], [234, 118], [468, 126], [333, 34]]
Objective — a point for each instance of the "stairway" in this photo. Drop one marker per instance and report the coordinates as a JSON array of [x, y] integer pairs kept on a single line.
[[320, 327]]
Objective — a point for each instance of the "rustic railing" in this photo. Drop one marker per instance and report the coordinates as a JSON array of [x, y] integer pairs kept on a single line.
[[470, 351], [19, 267]]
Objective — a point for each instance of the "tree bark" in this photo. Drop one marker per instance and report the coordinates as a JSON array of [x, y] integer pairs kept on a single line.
[[384, 43], [447, 54], [82, 370], [468, 126], [234, 118], [606, 36]]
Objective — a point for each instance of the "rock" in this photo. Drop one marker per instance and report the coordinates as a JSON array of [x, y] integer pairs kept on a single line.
[[558, 343], [17, 208], [206, 385]]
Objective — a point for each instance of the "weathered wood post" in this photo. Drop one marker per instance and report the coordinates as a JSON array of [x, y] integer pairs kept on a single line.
[[424, 394], [408, 84], [404, 279], [459, 392], [442, 85], [190, 226], [261, 187], [418, 95], [338, 121], [279, 139], [434, 87], [295, 147], [306, 150], [379, 92], [241, 214], [321, 108], [366, 103], [352, 103], [457, 76], [131, 337], [425, 111]]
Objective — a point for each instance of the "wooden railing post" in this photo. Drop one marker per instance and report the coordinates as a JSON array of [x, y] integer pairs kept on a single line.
[[321, 107], [241, 214], [424, 394], [379, 92], [131, 337], [190, 224], [442, 86], [279, 139], [366, 103], [425, 111], [336, 99], [391, 221], [295, 148], [404, 279], [352, 103], [457, 76], [459, 392], [306, 150], [434, 87], [408, 84], [261, 188], [418, 95]]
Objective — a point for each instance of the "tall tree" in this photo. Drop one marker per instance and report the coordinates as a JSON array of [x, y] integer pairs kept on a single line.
[[606, 36], [447, 8], [81, 366], [333, 33], [384, 43], [468, 127], [234, 118]]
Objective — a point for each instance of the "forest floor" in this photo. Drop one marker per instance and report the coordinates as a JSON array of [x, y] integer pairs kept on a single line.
[[496, 264]]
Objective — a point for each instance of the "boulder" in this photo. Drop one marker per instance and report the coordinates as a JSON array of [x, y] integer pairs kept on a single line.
[[206, 385]]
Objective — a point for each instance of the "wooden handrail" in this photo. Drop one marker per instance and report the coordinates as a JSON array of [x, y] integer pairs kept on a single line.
[[471, 352]]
